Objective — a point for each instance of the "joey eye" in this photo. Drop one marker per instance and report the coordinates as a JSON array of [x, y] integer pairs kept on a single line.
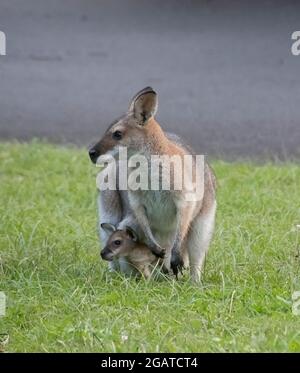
[[117, 242], [117, 135]]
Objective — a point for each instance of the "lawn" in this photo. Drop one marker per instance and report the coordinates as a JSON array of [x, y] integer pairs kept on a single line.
[[61, 297]]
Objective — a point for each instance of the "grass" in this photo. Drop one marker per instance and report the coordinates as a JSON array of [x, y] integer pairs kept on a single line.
[[60, 296]]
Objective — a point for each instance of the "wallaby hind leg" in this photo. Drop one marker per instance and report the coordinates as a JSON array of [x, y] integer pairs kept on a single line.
[[146, 272], [142, 269], [199, 238]]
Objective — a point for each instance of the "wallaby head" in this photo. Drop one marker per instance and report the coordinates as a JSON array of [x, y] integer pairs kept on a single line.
[[119, 243], [132, 129]]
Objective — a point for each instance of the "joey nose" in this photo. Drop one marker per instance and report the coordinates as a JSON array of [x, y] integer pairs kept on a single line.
[[93, 155], [106, 254]]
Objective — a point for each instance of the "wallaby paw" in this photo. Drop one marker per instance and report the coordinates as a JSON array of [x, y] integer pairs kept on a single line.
[[177, 264], [159, 252]]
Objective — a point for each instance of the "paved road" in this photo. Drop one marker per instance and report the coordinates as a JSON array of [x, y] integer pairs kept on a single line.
[[226, 78]]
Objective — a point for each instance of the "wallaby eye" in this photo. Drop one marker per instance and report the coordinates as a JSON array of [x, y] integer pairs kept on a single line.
[[117, 135], [117, 242]]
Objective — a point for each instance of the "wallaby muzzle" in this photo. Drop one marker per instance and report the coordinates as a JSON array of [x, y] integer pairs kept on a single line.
[[107, 254], [94, 153]]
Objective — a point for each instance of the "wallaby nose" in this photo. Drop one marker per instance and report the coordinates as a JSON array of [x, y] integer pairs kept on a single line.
[[106, 254], [93, 155]]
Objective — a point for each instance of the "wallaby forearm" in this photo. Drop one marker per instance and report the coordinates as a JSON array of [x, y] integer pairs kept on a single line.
[[140, 214]]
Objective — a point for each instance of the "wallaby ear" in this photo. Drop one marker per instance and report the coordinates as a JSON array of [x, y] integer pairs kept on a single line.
[[108, 228], [131, 233], [144, 105]]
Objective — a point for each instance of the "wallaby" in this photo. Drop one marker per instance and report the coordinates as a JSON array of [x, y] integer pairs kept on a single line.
[[123, 243], [184, 228]]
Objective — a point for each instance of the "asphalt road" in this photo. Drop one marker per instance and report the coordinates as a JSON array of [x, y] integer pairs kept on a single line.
[[224, 71]]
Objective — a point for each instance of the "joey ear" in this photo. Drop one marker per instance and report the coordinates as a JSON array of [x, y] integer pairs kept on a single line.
[[131, 233], [144, 105], [108, 228]]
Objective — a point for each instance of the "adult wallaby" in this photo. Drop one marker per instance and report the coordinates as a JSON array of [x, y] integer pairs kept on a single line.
[[184, 228]]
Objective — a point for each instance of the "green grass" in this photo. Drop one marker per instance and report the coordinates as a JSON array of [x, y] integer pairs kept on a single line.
[[60, 296]]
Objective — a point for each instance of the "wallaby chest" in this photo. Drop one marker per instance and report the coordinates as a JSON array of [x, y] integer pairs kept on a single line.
[[160, 209]]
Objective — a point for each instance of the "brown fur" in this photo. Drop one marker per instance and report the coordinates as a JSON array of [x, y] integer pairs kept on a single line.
[[137, 254]]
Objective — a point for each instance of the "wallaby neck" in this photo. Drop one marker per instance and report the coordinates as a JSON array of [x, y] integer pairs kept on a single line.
[[157, 141]]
